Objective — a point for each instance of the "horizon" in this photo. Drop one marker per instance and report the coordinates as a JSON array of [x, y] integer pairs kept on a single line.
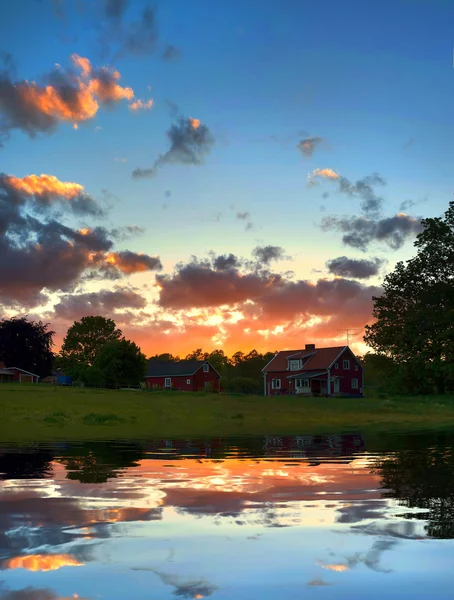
[[218, 176]]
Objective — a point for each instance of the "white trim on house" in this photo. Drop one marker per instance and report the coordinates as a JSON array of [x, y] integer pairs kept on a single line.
[[23, 371], [274, 383], [338, 356], [346, 368], [167, 379], [263, 370], [355, 381], [264, 384], [188, 382], [207, 369]]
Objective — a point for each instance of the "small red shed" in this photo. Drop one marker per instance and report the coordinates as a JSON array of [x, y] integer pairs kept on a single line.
[[312, 371], [16, 374], [185, 375]]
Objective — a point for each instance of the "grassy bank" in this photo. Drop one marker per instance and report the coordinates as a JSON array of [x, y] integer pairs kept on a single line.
[[39, 413]]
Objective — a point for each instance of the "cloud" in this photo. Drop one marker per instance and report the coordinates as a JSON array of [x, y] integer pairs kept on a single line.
[[131, 262], [66, 96], [121, 37], [266, 254], [45, 191], [140, 105], [360, 232], [352, 267], [323, 174], [74, 306], [30, 593], [39, 253], [171, 52], [190, 142], [317, 583], [242, 216], [308, 145], [224, 262], [197, 588]]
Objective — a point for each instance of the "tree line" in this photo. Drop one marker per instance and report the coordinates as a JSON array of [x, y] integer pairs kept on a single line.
[[412, 336]]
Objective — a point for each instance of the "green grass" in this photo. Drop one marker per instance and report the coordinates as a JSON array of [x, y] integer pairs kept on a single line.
[[38, 412]]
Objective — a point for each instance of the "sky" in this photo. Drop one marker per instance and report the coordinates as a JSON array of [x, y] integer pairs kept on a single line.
[[231, 175]]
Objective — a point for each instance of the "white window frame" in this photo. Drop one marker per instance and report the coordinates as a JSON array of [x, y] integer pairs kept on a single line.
[[294, 364], [206, 368], [167, 382], [275, 384], [346, 362], [306, 383], [355, 383], [356, 367], [188, 382], [336, 365]]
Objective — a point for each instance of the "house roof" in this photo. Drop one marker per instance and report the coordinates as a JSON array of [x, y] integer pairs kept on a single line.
[[10, 371], [320, 358], [6, 372], [308, 375], [168, 368]]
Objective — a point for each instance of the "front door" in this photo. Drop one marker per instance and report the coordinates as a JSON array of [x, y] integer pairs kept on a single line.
[[336, 385]]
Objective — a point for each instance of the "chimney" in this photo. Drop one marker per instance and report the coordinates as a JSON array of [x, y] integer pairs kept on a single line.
[[310, 346]]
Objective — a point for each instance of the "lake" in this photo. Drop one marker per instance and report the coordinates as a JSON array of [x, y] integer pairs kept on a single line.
[[332, 516]]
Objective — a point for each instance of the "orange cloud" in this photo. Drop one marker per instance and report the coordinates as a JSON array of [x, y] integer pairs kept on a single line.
[[39, 185], [42, 562], [195, 123], [140, 105], [132, 262], [324, 173], [334, 567]]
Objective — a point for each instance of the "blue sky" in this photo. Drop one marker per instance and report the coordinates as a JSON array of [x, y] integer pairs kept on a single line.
[[374, 80]]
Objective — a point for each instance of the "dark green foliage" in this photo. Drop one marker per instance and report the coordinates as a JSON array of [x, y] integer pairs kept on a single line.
[[27, 345], [84, 340], [121, 363], [415, 314]]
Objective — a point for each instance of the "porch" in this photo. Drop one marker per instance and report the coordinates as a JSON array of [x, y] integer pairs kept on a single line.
[[313, 384]]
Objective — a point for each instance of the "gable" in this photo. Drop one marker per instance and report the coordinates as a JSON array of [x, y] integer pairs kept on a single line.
[[182, 368]]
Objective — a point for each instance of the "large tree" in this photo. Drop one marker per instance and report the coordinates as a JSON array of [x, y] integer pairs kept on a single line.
[[121, 363], [84, 340], [27, 345], [415, 314]]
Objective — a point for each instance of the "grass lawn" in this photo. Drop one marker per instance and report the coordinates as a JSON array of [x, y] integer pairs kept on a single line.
[[47, 413]]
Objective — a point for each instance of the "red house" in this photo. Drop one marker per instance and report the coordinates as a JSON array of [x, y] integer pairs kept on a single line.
[[314, 372], [16, 374], [186, 375]]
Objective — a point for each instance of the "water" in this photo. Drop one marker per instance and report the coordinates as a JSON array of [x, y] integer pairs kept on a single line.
[[336, 516]]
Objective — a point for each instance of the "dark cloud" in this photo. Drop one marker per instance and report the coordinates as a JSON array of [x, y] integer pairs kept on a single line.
[[355, 268], [190, 142], [371, 203], [171, 52], [372, 558], [167, 193], [203, 284], [38, 252], [360, 232], [242, 216], [224, 262], [308, 145], [406, 204], [29, 593], [120, 36], [128, 232], [266, 254], [325, 195], [197, 588], [317, 583], [75, 306]]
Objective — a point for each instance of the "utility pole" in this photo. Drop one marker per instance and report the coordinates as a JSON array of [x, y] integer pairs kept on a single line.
[[349, 330]]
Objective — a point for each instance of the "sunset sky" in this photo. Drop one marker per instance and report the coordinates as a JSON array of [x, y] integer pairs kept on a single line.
[[229, 175]]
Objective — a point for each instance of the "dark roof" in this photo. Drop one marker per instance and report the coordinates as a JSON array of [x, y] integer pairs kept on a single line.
[[319, 358], [168, 368]]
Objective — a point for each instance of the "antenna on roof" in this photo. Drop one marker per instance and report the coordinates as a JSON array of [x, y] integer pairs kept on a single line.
[[348, 331]]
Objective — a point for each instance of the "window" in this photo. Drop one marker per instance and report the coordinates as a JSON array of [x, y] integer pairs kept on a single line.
[[354, 384], [276, 384], [356, 367], [302, 383], [167, 382], [188, 382], [346, 364], [206, 368], [336, 365], [295, 365]]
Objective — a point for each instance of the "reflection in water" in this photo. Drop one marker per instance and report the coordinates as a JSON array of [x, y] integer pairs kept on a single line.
[[243, 518]]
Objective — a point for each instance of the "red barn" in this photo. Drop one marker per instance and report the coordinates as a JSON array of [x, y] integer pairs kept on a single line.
[[186, 375], [16, 374], [314, 372]]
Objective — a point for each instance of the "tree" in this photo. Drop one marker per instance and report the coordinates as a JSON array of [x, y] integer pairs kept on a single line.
[[166, 356], [121, 363], [197, 355], [84, 340], [415, 314], [27, 345]]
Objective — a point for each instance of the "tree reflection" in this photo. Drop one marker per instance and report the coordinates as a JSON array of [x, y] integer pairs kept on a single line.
[[423, 479]]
